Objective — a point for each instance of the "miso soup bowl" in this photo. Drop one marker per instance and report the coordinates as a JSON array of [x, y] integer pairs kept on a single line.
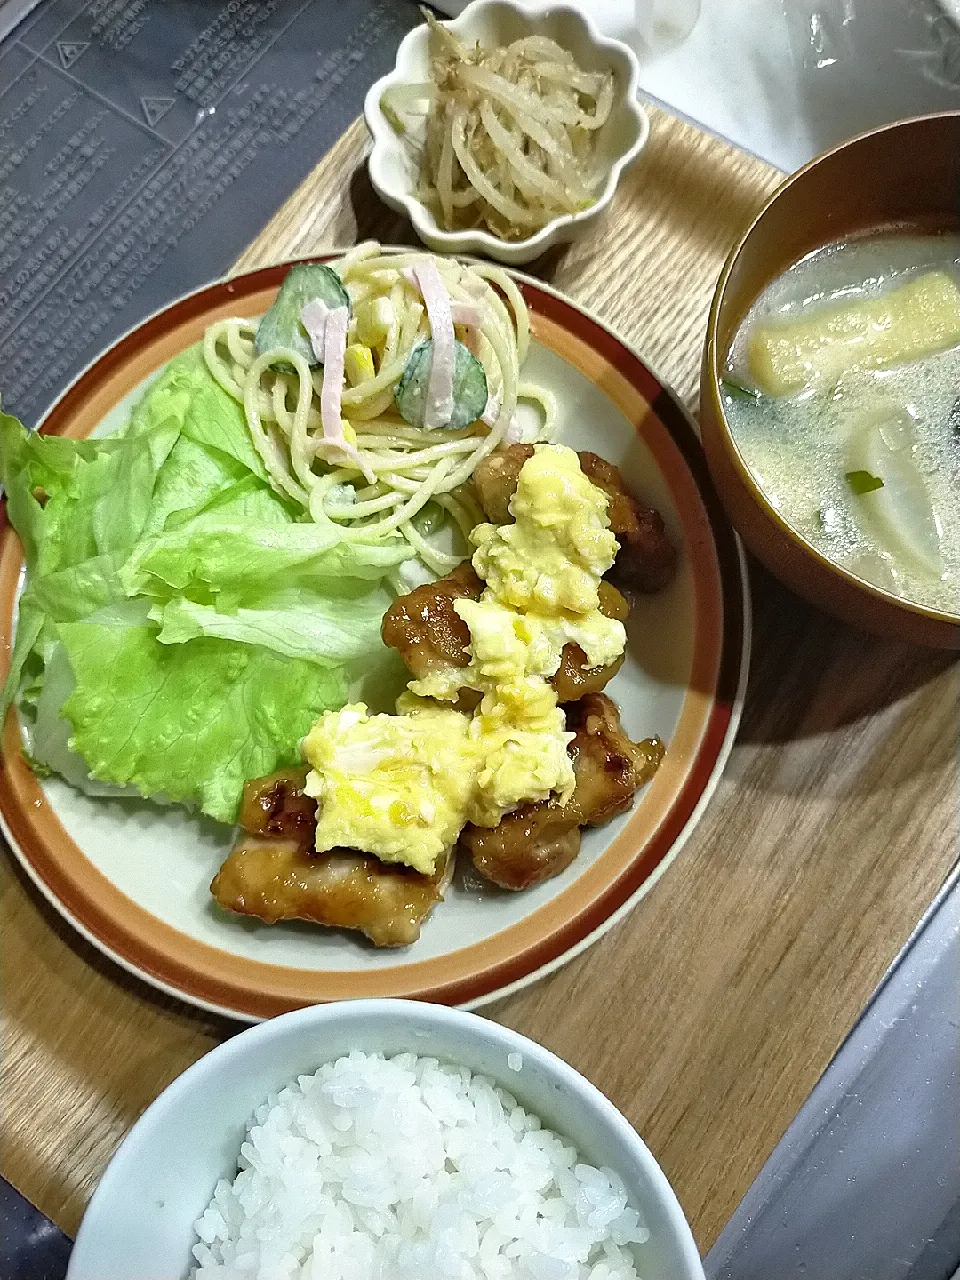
[[904, 177]]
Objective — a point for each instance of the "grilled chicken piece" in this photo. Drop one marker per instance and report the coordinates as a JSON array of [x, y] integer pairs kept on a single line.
[[647, 559], [424, 627], [429, 634], [531, 844], [277, 879], [573, 678], [608, 766], [273, 872], [538, 841], [495, 480], [278, 806]]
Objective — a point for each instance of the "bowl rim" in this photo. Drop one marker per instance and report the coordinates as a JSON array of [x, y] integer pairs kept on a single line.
[[206, 1070], [474, 239], [712, 354]]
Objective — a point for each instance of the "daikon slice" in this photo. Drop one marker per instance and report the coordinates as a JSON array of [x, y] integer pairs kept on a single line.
[[875, 569], [901, 513]]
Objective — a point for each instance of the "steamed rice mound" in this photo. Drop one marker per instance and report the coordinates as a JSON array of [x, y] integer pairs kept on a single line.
[[410, 1169]]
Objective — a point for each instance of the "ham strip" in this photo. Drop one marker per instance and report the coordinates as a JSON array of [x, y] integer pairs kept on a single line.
[[513, 433], [335, 322], [334, 349], [492, 412], [438, 409], [466, 314], [313, 317]]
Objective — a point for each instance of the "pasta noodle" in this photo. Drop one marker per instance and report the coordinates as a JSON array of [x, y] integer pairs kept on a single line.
[[397, 469]]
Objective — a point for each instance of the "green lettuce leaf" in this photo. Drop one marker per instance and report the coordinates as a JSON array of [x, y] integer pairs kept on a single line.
[[50, 732], [73, 499], [298, 623], [74, 593], [30, 625], [79, 508], [51, 484], [123, 505], [214, 451], [182, 626], [64, 596], [206, 560], [186, 393], [190, 722], [192, 476], [246, 501], [23, 510]]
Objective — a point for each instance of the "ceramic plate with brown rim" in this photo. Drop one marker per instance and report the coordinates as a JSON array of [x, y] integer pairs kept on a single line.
[[134, 876]]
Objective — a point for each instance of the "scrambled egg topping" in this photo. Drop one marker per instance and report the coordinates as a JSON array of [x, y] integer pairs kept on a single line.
[[396, 786], [403, 786]]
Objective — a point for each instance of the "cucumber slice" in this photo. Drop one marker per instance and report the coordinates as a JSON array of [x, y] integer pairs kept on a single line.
[[429, 519], [281, 326], [469, 386]]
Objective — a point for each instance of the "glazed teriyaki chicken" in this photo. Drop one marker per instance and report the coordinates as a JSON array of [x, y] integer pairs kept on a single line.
[[277, 869], [274, 872]]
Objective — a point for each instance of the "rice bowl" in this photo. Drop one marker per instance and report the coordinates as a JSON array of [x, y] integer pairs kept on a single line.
[[408, 1167], [598, 1179]]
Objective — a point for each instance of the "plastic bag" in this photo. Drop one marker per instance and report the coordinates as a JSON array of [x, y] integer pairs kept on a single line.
[[661, 24], [917, 41]]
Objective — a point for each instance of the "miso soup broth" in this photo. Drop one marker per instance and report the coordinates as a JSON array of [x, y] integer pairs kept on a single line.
[[842, 392]]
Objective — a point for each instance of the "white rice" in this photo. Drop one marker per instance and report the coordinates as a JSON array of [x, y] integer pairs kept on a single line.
[[411, 1169]]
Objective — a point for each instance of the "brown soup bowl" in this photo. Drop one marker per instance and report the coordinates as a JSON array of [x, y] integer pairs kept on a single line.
[[904, 177]]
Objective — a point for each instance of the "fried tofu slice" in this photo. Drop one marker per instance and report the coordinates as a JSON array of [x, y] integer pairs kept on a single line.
[[273, 872], [647, 559], [537, 841]]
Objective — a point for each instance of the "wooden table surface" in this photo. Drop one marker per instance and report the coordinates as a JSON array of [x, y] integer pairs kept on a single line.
[[709, 1013]]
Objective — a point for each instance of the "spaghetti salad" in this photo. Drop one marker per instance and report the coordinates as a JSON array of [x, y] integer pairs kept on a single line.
[[424, 341]]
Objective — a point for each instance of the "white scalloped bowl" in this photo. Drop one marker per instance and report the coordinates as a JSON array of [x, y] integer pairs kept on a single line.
[[392, 161]]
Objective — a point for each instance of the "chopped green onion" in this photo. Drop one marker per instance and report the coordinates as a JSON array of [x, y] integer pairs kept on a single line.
[[739, 390], [863, 482]]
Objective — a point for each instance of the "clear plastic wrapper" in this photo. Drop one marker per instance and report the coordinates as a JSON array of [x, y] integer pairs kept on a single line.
[[919, 37], [661, 24]]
